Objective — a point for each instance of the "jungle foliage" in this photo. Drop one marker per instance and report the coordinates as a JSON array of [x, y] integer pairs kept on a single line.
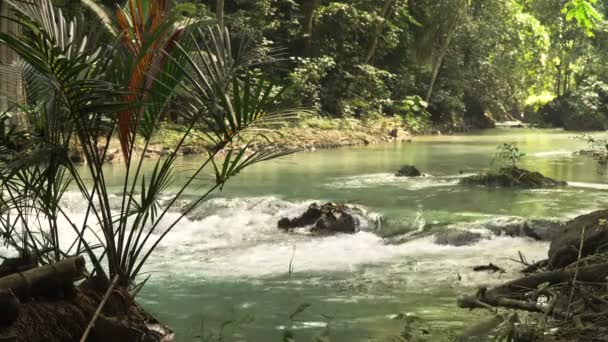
[[472, 61]]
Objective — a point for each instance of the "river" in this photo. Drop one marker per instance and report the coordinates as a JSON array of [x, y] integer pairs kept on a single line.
[[228, 265]]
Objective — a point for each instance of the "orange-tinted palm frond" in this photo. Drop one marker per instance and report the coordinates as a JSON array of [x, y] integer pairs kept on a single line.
[[146, 37]]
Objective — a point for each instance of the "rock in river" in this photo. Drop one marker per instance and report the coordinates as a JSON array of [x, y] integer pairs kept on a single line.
[[565, 245], [457, 237], [513, 177], [537, 229], [408, 171], [325, 219]]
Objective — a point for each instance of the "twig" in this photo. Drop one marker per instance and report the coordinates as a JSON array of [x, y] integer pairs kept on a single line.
[[99, 308], [522, 258], [580, 252], [293, 255]]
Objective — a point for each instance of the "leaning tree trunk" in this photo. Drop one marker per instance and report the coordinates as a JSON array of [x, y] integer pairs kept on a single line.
[[438, 62], [11, 90], [378, 33]]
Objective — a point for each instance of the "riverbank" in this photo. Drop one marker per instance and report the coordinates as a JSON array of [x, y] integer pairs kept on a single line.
[[309, 134]]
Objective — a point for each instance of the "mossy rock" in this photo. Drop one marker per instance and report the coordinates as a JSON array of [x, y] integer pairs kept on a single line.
[[513, 177]]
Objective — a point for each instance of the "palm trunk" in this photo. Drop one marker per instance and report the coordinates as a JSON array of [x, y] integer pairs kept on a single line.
[[219, 12], [372, 50]]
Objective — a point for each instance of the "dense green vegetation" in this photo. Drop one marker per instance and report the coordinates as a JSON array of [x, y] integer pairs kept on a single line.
[[469, 59], [230, 75]]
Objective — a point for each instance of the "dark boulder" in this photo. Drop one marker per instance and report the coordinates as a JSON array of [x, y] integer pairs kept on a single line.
[[513, 177], [537, 229], [336, 222], [457, 237], [408, 171], [325, 219], [309, 218], [542, 229], [565, 245]]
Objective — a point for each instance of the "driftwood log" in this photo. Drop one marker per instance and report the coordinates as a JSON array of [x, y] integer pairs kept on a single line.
[[47, 280], [513, 295]]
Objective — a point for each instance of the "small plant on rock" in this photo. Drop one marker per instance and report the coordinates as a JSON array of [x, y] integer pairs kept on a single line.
[[507, 155]]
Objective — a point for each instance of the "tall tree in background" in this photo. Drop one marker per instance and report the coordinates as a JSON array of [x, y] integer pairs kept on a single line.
[[439, 24], [378, 33], [310, 7]]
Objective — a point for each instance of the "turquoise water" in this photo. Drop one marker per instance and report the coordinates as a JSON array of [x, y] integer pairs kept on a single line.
[[227, 264]]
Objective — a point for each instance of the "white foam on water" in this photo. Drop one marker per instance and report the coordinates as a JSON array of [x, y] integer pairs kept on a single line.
[[596, 186], [389, 179], [271, 256], [238, 238], [553, 153]]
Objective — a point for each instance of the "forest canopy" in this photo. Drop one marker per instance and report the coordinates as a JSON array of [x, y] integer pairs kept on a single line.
[[455, 63]]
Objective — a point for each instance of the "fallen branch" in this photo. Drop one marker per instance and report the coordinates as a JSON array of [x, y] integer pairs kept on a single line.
[[485, 299], [531, 268], [592, 274], [522, 293], [489, 267]]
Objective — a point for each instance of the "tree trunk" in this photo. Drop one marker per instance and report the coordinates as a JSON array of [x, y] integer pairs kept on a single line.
[[438, 61], [558, 81], [384, 14], [567, 74], [219, 12], [309, 15]]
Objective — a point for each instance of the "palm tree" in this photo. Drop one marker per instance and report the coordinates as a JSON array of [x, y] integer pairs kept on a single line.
[[85, 94]]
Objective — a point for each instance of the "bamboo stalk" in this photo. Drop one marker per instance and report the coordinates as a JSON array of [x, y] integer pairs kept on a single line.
[[46, 279]]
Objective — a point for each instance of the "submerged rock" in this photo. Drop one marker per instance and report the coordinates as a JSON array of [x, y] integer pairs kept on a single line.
[[464, 234], [505, 226], [328, 218], [564, 248], [457, 237], [537, 229], [513, 177], [408, 171]]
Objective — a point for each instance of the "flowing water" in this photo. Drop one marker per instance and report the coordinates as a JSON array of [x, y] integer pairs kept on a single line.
[[228, 265]]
